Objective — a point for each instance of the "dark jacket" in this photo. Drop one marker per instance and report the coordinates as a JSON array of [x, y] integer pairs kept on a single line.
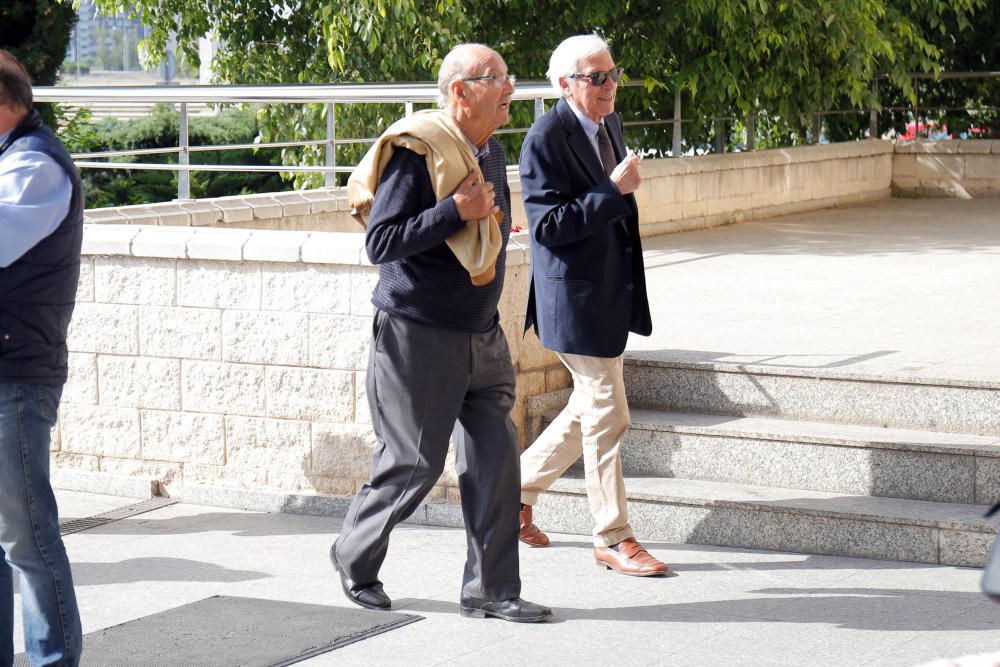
[[588, 285], [38, 291]]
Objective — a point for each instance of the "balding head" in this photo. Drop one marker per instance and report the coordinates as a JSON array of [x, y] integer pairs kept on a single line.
[[476, 88], [463, 61]]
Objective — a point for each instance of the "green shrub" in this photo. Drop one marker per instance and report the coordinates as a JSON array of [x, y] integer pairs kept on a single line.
[[160, 129]]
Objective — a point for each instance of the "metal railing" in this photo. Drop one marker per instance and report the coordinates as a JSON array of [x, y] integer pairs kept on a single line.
[[330, 95], [817, 118], [406, 94]]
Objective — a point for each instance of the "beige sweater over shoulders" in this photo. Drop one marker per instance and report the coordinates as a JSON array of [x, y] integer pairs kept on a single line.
[[434, 134]]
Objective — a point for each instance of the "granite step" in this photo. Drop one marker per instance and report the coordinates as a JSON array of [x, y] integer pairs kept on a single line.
[[761, 517], [840, 458], [950, 405]]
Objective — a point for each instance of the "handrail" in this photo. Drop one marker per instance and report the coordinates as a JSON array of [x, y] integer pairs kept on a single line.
[[341, 93], [330, 95]]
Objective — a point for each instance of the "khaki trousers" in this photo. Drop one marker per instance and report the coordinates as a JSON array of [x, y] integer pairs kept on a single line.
[[592, 424]]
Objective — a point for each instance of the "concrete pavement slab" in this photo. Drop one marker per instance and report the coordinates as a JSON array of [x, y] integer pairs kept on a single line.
[[890, 287], [724, 607]]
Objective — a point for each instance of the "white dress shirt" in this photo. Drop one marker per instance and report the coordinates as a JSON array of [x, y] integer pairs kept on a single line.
[[35, 196], [590, 127]]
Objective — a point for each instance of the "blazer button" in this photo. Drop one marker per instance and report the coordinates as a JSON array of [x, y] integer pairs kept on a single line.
[[628, 287], [628, 250], [6, 336]]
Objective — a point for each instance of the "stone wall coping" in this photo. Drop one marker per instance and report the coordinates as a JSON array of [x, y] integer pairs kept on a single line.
[[268, 206], [949, 146], [245, 245], [233, 209], [775, 157]]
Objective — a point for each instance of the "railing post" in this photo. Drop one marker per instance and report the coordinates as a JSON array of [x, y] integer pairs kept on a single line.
[[539, 107], [873, 112], [751, 130], [183, 175], [329, 179], [409, 109], [720, 135], [675, 149], [817, 127]]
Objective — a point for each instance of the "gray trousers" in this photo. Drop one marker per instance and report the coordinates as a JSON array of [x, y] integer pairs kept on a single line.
[[421, 380]]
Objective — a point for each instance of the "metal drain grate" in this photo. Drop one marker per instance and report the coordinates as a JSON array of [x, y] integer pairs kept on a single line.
[[76, 525], [233, 632]]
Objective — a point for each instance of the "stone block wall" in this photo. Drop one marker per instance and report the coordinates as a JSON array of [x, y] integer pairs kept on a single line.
[[224, 342], [320, 210], [712, 190], [955, 168], [237, 358]]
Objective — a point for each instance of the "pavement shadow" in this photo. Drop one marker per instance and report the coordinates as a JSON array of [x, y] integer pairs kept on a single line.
[[237, 523], [801, 562], [883, 610], [423, 605], [775, 359], [134, 570], [876, 609]]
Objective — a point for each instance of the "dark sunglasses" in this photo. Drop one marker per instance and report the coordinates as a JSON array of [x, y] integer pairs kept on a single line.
[[598, 78]]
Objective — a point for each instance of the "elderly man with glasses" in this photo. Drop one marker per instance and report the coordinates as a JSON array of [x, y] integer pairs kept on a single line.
[[588, 291], [433, 192]]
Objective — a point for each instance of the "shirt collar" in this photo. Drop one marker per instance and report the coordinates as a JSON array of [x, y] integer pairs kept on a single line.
[[586, 122], [479, 153]]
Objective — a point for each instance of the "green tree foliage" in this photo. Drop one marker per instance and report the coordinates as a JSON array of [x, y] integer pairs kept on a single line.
[[309, 41], [782, 58], [955, 41], [37, 32], [119, 187]]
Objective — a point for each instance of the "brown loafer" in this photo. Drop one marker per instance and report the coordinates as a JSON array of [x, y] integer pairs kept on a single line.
[[630, 558], [529, 532]]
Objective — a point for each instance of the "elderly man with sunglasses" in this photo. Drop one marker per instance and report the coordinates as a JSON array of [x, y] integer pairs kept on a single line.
[[588, 290]]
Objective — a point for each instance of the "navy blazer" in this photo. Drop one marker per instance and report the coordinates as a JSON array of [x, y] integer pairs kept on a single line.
[[588, 284]]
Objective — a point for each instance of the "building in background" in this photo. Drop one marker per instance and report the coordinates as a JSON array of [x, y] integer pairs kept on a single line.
[[104, 42]]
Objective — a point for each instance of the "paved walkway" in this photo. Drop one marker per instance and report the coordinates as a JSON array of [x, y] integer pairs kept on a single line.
[[726, 607], [898, 287]]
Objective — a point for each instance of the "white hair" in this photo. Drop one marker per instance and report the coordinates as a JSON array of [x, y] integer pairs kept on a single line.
[[456, 65], [567, 56]]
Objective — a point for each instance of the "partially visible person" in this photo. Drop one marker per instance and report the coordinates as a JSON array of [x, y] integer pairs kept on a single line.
[[438, 354], [41, 229], [588, 291]]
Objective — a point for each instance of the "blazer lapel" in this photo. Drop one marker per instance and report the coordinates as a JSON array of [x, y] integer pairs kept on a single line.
[[578, 142]]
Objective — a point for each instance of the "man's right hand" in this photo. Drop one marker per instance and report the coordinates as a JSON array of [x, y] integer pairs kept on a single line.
[[626, 175], [473, 200]]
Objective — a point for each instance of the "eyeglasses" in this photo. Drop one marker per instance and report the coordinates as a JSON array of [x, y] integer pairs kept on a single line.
[[598, 78], [495, 78]]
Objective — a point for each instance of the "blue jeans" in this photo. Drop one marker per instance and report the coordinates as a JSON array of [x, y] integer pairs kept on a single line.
[[29, 532]]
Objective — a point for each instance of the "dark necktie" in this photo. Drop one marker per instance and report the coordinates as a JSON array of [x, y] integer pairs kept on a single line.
[[604, 148]]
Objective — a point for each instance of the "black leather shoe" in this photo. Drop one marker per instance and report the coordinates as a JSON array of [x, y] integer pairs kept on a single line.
[[515, 609], [369, 596]]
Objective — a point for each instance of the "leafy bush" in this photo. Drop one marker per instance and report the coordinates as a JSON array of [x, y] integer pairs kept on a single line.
[[118, 187]]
